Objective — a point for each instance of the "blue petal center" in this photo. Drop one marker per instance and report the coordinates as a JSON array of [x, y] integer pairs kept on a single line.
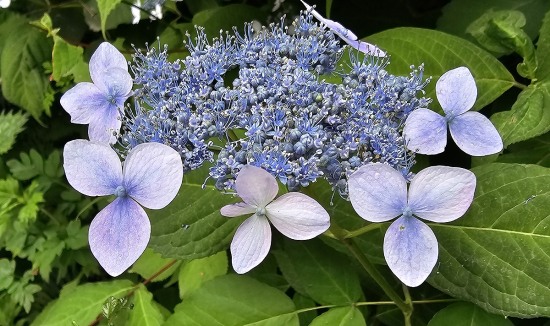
[[260, 211], [120, 191], [407, 212]]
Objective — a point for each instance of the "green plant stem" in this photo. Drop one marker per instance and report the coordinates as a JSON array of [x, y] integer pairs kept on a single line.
[[378, 278], [365, 229], [375, 303], [520, 85], [407, 315]]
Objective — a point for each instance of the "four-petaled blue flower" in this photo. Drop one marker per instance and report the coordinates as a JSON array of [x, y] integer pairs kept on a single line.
[[98, 103], [440, 194], [346, 35], [426, 131], [294, 214], [151, 176]]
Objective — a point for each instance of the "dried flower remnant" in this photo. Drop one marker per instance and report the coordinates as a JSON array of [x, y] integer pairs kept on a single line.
[[439, 194], [151, 176], [294, 214]]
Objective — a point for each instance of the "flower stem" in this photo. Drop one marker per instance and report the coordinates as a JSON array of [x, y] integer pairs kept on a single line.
[[406, 308], [407, 315], [365, 229]]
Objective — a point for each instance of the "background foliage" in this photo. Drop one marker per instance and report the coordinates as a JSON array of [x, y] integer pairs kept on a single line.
[[493, 262]]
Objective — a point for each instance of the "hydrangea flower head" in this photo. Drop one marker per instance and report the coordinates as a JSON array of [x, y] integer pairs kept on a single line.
[[98, 103], [294, 214], [346, 35], [151, 176], [426, 131], [440, 194]]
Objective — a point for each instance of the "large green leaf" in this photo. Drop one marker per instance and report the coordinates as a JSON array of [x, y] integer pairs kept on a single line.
[[341, 316], [319, 272], [224, 18], [24, 82], [81, 304], [467, 314], [191, 226], [9, 23], [529, 116], [194, 273], [458, 14], [441, 52], [105, 7], [543, 49], [532, 151], [497, 254], [235, 300], [11, 124], [144, 312], [150, 262]]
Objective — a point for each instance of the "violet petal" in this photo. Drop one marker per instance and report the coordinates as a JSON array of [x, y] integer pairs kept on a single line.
[[250, 243], [410, 249], [119, 234]]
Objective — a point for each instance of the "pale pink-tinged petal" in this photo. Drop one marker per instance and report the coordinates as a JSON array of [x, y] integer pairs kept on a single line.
[[366, 48], [456, 91], [410, 249], [256, 186], [119, 234], [83, 102], [237, 209], [250, 244], [93, 169], [116, 84], [475, 134], [441, 193], [425, 132], [152, 174], [345, 34], [377, 192], [298, 216], [105, 124], [105, 58]]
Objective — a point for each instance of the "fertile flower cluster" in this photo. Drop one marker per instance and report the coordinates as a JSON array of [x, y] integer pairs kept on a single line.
[[265, 95]]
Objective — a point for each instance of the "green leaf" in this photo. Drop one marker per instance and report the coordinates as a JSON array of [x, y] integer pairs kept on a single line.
[[150, 263], [441, 52], [319, 272], [459, 14], [501, 32], [28, 167], [529, 116], [119, 14], [7, 269], [467, 314], [224, 18], [341, 316], [496, 255], [9, 23], [543, 49], [303, 302], [194, 273], [68, 60], [81, 304], [192, 226], [145, 312], [235, 300], [533, 151], [11, 124], [105, 7], [77, 236], [24, 82]]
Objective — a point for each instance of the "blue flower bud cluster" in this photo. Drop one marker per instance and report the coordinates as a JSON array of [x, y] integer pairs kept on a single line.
[[264, 94]]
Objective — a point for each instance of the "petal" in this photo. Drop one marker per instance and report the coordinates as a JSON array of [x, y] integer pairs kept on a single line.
[[93, 169], [105, 124], [250, 244], [456, 91], [256, 186], [441, 193], [475, 134], [425, 132], [152, 174], [410, 249], [116, 84], [104, 58], [377, 192], [366, 48], [83, 102], [119, 234], [298, 216], [237, 209]]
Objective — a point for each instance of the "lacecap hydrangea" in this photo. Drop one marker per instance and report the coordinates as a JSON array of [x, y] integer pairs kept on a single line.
[[289, 99]]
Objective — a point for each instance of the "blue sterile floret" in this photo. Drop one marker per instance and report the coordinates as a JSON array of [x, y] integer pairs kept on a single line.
[[264, 94]]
